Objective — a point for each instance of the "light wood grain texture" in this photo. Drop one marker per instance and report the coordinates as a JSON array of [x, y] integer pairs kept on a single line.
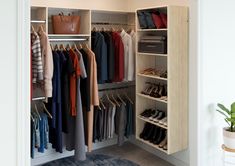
[[152, 122], [177, 78], [152, 76], [177, 81]]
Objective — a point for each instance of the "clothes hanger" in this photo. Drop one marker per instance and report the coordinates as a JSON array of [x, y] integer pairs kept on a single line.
[[118, 95], [68, 47], [37, 112], [47, 111], [109, 99], [94, 29], [116, 102], [32, 29], [52, 47], [74, 47], [79, 46], [62, 47], [40, 30], [32, 118], [102, 104], [129, 98], [56, 47]]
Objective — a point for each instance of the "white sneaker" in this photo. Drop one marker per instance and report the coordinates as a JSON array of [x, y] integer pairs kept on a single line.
[[163, 121]]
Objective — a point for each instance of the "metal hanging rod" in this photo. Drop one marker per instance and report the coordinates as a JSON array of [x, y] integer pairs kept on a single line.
[[38, 21], [38, 98], [68, 39], [116, 86], [107, 23]]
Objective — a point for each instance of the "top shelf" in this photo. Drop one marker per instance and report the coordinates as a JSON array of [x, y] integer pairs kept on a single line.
[[151, 30]]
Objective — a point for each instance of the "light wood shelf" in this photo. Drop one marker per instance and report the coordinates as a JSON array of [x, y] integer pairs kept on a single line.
[[69, 35], [151, 54], [175, 62], [151, 30], [151, 144], [151, 98], [152, 76], [149, 121]]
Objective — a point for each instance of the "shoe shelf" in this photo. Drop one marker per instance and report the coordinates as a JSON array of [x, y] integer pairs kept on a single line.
[[152, 76], [149, 121], [152, 98], [175, 62], [151, 54], [152, 145]]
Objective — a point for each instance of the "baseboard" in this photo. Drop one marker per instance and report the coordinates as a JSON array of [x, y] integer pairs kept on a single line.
[[168, 158]]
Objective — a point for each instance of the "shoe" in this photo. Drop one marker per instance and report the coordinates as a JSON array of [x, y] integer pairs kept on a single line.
[[163, 121], [149, 133], [145, 112], [145, 130], [165, 147], [154, 115], [159, 117], [160, 137], [155, 134], [149, 113], [163, 143]]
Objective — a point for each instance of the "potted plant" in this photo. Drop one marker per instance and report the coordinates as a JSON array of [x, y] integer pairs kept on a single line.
[[228, 132]]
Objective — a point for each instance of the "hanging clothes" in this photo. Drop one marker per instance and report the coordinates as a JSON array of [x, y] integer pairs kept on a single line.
[[110, 55], [99, 48], [128, 56], [36, 58], [47, 61], [119, 57], [133, 37]]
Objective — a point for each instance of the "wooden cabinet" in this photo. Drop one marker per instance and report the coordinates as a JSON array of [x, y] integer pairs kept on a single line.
[[175, 61]]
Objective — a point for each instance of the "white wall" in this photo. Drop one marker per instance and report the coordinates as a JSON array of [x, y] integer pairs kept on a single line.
[[119, 5], [135, 4], [8, 11], [217, 81]]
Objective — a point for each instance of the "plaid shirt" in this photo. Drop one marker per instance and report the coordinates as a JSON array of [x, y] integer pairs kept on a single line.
[[36, 58]]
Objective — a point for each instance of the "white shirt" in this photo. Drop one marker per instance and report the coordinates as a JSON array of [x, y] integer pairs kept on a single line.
[[128, 56]]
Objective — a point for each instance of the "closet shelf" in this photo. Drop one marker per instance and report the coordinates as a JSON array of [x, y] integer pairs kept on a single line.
[[151, 98], [149, 121], [116, 85], [38, 21], [150, 144], [152, 76], [151, 30], [69, 35], [150, 54]]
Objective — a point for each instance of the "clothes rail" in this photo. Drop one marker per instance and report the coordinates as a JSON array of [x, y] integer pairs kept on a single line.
[[116, 86], [38, 21], [107, 23], [38, 98], [64, 39]]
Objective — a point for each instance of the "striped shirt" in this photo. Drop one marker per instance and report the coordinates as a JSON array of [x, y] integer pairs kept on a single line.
[[37, 65]]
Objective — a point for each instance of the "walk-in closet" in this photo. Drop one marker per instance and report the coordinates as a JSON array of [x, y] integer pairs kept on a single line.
[[105, 76]]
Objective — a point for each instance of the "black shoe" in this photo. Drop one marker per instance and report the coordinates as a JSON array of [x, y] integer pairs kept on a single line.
[[155, 134], [149, 133], [145, 130], [145, 112], [160, 137]]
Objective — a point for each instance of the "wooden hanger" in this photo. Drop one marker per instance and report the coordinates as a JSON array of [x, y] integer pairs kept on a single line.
[[52, 47], [40, 30], [121, 99], [68, 47], [109, 99], [94, 29], [37, 111], [47, 111], [74, 47], [102, 104], [116, 102], [32, 29], [62, 47], [79, 46], [129, 98], [56, 47]]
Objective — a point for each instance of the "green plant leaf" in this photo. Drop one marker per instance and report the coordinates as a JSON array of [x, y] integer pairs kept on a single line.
[[233, 115], [233, 107], [231, 120], [222, 107], [227, 122], [222, 113]]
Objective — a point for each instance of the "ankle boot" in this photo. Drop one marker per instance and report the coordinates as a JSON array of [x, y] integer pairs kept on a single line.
[[146, 128], [160, 137], [155, 134], [149, 133]]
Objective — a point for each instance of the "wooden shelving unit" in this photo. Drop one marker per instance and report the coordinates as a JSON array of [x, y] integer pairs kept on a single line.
[[175, 61]]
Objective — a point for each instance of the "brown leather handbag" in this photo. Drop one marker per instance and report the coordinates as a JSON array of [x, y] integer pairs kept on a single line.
[[65, 24]]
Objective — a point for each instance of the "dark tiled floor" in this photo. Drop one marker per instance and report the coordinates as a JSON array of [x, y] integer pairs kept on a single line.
[[133, 153]]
